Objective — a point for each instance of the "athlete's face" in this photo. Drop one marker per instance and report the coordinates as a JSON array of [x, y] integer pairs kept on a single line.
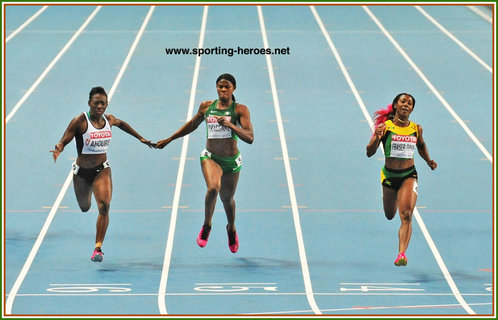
[[98, 104], [225, 90], [404, 106]]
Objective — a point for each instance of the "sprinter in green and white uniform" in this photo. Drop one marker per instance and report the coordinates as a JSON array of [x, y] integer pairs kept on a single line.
[[226, 122], [400, 137]]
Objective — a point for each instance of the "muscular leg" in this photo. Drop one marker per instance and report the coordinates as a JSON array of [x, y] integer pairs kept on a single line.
[[83, 192], [102, 190], [212, 175], [390, 200], [407, 199], [228, 186]]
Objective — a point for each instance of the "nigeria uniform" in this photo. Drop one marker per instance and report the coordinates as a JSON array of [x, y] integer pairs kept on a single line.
[[216, 131]]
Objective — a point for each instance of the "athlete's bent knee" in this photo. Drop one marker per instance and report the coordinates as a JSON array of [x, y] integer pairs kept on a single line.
[[213, 191], [103, 207], [406, 215]]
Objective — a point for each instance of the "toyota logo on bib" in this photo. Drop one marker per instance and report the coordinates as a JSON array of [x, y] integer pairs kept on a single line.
[[412, 139]]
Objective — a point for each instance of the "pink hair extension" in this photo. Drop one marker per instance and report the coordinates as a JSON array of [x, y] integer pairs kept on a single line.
[[382, 115]]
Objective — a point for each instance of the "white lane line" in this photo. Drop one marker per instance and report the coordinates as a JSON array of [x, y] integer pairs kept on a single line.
[[288, 172], [27, 22], [55, 206], [481, 13], [418, 218], [416, 213], [455, 39], [36, 246], [161, 297], [342, 67], [130, 53], [429, 84], [51, 65], [359, 309], [442, 265]]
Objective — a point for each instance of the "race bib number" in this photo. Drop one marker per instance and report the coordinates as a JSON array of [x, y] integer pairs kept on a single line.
[[403, 146], [238, 160], [205, 153], [215, 130]]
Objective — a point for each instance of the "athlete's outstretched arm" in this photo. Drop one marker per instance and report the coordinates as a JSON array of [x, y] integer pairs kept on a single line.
[[72, 129], [123, 125], [188, 127]]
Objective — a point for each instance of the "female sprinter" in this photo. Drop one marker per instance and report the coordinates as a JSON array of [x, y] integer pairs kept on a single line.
[[400, 137], [91, 171], [226, 121]]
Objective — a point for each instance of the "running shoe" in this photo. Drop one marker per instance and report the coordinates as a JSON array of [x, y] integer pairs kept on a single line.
[[233, 241], [97, 255], [202, 238], [401, 260]]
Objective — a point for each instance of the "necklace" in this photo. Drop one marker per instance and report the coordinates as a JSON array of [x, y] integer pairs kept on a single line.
[[402, 121]]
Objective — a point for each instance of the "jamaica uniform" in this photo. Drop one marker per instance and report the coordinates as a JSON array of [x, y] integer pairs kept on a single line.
[[399, 143], [215, 131]]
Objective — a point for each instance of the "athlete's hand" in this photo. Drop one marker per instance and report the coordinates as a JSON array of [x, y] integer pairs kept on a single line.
[[162, 143], [223, 121], [432, 164], [148, 142], [379, 130], [57, 151]]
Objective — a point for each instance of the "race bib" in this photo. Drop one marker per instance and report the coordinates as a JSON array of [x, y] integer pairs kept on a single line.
[[98, 141], [403, 146], [215, 130], [238, 160]]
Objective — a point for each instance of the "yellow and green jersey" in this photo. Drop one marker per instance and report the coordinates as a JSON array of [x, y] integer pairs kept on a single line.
[[400, 142]]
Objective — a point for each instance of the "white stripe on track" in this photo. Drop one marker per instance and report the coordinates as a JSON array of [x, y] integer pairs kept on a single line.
[[342, 67], [51, 65], [417, 215], [27, 22], [441, 263], [481, 13], [429, 84], [130, 53], [455, 39], [288, 172], [36, 246], [55, 206], [161, 297]]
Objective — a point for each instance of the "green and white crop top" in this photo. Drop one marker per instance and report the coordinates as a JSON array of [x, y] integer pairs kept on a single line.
[[215, 130]]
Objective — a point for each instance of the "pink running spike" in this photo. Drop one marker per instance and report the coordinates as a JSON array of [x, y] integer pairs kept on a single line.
[[401, 260], [202, 238], [235, 245], [97, 256]]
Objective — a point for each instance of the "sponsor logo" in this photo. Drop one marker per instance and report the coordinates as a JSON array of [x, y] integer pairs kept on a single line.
[[411, 139], [100, 135], [213, 119]]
